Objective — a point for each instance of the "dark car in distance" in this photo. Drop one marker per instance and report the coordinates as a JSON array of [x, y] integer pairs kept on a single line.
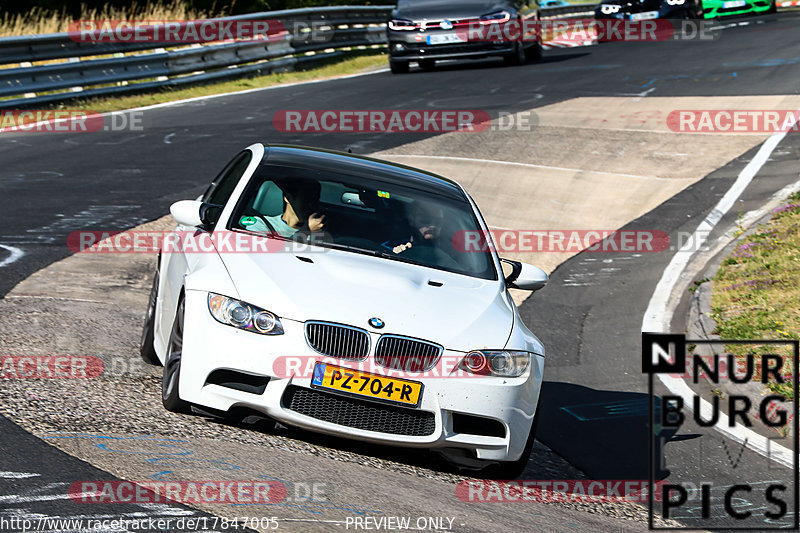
[[649, 9], [680, 9], [429, 30]]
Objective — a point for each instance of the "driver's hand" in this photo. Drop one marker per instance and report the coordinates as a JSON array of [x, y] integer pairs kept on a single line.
[[316, 222]]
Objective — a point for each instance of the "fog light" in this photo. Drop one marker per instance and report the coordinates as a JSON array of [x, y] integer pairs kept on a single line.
[[399, 47]]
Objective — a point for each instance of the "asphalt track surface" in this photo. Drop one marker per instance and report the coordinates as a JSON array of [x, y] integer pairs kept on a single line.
[[51, 185]]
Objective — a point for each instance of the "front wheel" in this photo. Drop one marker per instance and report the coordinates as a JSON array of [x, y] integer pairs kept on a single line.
[[534, 53], [517, 57], [172, 365], [146, 349], [398, 67]]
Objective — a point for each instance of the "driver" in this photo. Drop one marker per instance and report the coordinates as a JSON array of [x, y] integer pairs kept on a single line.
[[424, 244], [426, 223]]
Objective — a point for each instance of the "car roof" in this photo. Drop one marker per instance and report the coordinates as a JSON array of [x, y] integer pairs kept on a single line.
[[356, 165]]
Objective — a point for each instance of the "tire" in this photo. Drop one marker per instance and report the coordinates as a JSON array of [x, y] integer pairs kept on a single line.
[[517, 57], [534, 53], [514, 469], [170, 380], [398, 67], [427, 64], [146, 349]]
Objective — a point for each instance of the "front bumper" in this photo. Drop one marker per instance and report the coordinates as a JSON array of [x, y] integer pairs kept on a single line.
[[210, 346], [717, 8], [413, 46]]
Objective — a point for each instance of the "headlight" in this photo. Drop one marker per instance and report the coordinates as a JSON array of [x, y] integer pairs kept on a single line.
[[496, 18], [676, 2], [609, 9], [504, 363], [243, 315], [402, 25]]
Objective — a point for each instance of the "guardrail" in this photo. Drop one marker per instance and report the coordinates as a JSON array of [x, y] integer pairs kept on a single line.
[[311, 34]]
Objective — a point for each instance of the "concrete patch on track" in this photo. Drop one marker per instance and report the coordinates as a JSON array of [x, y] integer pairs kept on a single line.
[[588, 163], [530, 197]]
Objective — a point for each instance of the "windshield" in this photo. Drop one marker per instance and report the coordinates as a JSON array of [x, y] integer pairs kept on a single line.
[[362, 216]]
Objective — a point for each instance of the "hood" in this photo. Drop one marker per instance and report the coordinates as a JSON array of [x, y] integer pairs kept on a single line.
[[446, 9], [462, 314]]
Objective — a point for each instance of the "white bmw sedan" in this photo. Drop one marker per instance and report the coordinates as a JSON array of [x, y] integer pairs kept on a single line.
[[348, 296]]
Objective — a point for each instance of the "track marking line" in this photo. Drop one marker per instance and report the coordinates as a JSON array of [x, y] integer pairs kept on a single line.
[[531, 165], [658, 316], [17, 475], [16, 254]]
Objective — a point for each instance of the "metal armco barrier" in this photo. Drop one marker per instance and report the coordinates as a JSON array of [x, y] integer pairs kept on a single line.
[[312, 34]]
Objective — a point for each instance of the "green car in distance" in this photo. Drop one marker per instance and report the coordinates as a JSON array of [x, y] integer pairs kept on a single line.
[[720, 8]]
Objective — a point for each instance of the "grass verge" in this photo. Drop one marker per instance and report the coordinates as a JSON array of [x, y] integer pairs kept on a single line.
[[38, 20], [757, 288], [352, 63]]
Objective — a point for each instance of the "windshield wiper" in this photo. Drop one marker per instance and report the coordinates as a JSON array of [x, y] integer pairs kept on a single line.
[[347, 248], [266, 234], [396, 257]]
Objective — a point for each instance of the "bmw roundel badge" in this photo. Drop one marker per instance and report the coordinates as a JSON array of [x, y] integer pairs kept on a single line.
[[376, 322]]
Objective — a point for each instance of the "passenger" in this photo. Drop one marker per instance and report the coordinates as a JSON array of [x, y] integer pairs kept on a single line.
[[300, 210]]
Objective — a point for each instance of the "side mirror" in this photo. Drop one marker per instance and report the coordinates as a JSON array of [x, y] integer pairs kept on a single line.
[[209, 214], [524, 276], [187, 212]]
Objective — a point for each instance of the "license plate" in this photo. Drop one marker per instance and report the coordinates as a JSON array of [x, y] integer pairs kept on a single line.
[[647, 15], [734, 3], [445, 38], [327, 376]]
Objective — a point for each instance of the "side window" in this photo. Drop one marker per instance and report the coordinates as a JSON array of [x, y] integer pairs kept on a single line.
[[220, 190]]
